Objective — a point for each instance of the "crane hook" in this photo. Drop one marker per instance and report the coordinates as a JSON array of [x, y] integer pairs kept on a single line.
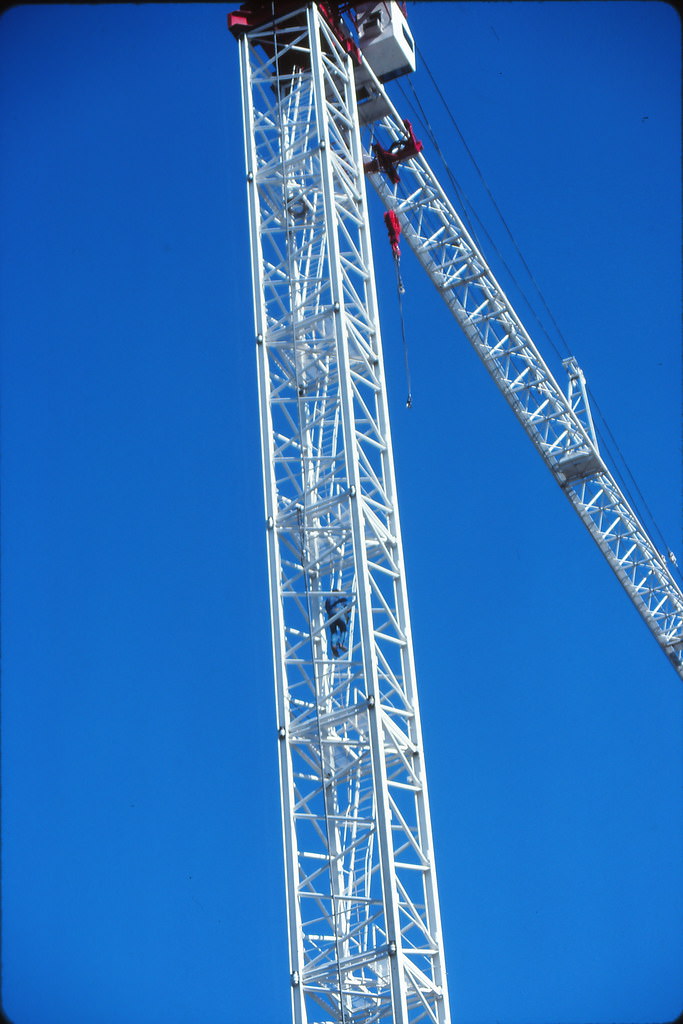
[[394, 229]]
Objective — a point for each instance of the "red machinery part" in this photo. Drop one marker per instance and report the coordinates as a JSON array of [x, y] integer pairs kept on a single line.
[[254, 13], [394, 229], [386, 159]]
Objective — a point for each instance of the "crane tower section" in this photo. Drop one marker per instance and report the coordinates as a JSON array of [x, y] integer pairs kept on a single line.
[[364, 927]]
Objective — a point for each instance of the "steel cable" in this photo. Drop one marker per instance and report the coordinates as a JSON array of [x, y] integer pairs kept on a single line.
[[422, 117]]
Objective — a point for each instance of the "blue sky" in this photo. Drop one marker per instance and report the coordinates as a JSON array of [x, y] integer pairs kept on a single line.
[[142, 874]]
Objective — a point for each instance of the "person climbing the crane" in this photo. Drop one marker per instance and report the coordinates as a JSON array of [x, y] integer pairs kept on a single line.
[[338, 612]]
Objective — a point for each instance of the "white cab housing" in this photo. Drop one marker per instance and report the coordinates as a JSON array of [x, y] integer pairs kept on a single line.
[[385, 40]]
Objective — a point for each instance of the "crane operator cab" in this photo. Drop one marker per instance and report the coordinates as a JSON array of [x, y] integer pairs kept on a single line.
[[384, 38], [388, 50]]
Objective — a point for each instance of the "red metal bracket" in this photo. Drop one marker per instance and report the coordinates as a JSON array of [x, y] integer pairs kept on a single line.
[[252, 14], [331, 12], [386, 159]]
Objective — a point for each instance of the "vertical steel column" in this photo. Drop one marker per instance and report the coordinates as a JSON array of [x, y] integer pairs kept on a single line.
[[364, 929]]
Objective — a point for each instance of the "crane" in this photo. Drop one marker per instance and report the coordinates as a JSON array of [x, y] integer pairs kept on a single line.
[[365, 941]]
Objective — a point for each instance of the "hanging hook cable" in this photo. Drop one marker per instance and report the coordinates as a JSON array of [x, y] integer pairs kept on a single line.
[[394, 230], [401, 290]]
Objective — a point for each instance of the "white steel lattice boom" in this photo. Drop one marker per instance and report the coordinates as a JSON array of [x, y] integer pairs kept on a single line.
[[559, 425]]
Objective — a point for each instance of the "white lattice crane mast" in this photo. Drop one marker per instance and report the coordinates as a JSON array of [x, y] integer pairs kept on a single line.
[[364, 927]]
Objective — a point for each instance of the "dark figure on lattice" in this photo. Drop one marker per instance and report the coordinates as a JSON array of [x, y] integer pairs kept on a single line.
[[338, 612]]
